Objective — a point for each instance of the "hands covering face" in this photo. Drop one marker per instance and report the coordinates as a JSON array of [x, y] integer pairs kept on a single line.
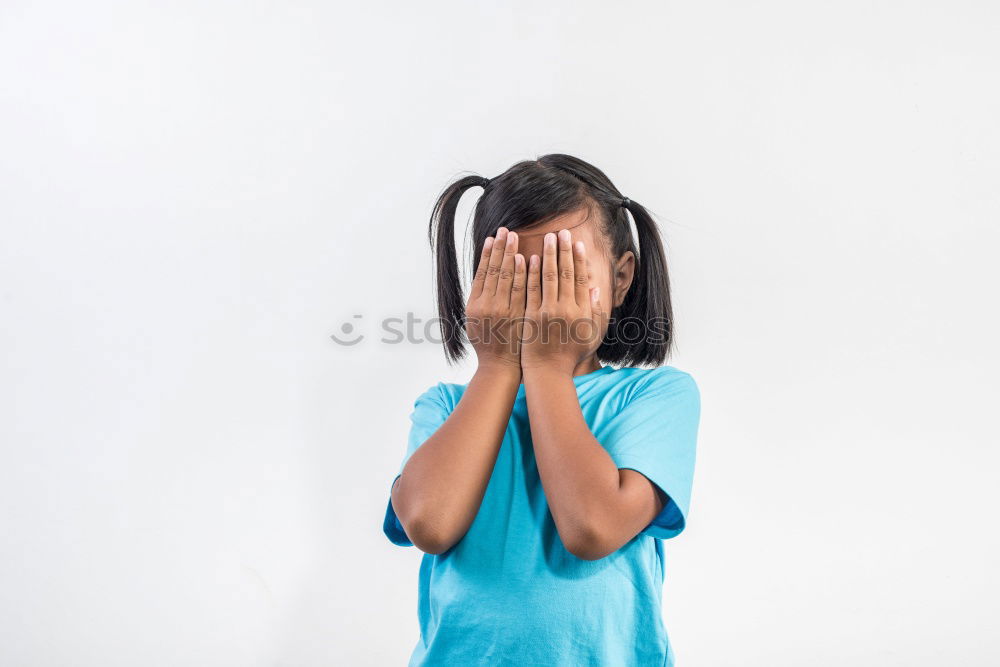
[[542, 313]]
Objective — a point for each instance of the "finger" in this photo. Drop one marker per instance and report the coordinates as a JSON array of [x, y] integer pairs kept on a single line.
[[581, 276], [484, 260], [566, 270], [496, 257], [534, 285], [517, 299], [507, 270], [550, 270]]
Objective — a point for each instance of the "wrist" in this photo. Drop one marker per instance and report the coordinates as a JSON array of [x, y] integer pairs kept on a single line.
[[546, 372], [500, 369]]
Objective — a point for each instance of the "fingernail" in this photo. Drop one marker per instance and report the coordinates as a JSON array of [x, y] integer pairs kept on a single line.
[[564, 235], [597, 293], [511, 237], [488, 243], [519, 260], [534, 261], [579, 247], [550, 239]]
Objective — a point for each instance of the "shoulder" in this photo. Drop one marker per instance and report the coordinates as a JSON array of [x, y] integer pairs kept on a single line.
[[663, 381], [442, 395]]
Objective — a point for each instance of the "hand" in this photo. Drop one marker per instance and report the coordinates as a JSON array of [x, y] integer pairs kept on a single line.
[[564, 319], [495, 312]]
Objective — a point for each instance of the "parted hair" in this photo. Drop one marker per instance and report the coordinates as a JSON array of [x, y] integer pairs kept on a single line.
[[531, 193]]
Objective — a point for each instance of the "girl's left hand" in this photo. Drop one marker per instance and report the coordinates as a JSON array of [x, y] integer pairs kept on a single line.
[[564, 320]]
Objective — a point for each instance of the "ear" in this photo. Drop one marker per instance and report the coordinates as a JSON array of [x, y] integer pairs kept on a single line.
[[621, 279]]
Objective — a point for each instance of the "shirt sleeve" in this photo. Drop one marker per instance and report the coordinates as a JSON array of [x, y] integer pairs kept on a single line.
[[429, 412], [655, 434]]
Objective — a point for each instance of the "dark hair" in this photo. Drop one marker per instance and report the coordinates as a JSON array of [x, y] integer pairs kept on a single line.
[[529, 194]]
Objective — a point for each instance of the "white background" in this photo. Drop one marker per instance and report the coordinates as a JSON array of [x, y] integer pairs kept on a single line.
[[194, 196]]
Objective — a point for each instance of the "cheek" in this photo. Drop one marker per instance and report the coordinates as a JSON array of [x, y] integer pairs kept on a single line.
[[601, 277]]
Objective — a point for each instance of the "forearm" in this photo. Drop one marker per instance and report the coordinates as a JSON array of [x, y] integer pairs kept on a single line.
[[596, 507], [442, 485], [578, 475]]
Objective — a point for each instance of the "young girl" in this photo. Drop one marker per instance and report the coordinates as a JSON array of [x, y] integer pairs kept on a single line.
[[541, 490]]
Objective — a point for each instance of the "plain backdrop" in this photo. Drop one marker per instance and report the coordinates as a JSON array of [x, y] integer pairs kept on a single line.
[[195, 196]]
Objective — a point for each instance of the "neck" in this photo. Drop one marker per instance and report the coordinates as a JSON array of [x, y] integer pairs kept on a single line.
[[588, 365]]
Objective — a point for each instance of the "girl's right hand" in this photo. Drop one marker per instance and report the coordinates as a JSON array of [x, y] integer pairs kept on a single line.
[[442, 485], [495, 312]]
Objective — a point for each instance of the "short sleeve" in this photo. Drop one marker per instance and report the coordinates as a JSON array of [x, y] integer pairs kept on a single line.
[[655, 434], [429, 412]]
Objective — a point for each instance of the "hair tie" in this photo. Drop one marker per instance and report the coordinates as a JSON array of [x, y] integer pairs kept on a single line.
[[625, 202], [485, 182]]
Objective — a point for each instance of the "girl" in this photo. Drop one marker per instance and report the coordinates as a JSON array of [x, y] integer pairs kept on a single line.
[[541, 490]]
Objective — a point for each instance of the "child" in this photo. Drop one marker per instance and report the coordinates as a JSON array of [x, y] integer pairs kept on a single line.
[[541, 490]]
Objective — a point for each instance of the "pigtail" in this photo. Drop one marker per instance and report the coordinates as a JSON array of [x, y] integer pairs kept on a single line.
[[648, 300], [441, 235]]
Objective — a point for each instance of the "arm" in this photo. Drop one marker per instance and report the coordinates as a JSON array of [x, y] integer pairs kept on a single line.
[[441, 487], [596, 507]]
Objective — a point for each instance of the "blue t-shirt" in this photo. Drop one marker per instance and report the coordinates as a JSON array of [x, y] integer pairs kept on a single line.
[[509, 593]]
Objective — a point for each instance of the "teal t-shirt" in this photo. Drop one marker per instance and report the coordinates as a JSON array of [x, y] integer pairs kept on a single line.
[[509, 593]]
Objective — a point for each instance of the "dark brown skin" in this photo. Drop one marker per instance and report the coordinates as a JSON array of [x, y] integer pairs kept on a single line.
[[596, 507]]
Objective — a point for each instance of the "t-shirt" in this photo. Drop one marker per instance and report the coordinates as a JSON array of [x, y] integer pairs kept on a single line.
[[509, 593]]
